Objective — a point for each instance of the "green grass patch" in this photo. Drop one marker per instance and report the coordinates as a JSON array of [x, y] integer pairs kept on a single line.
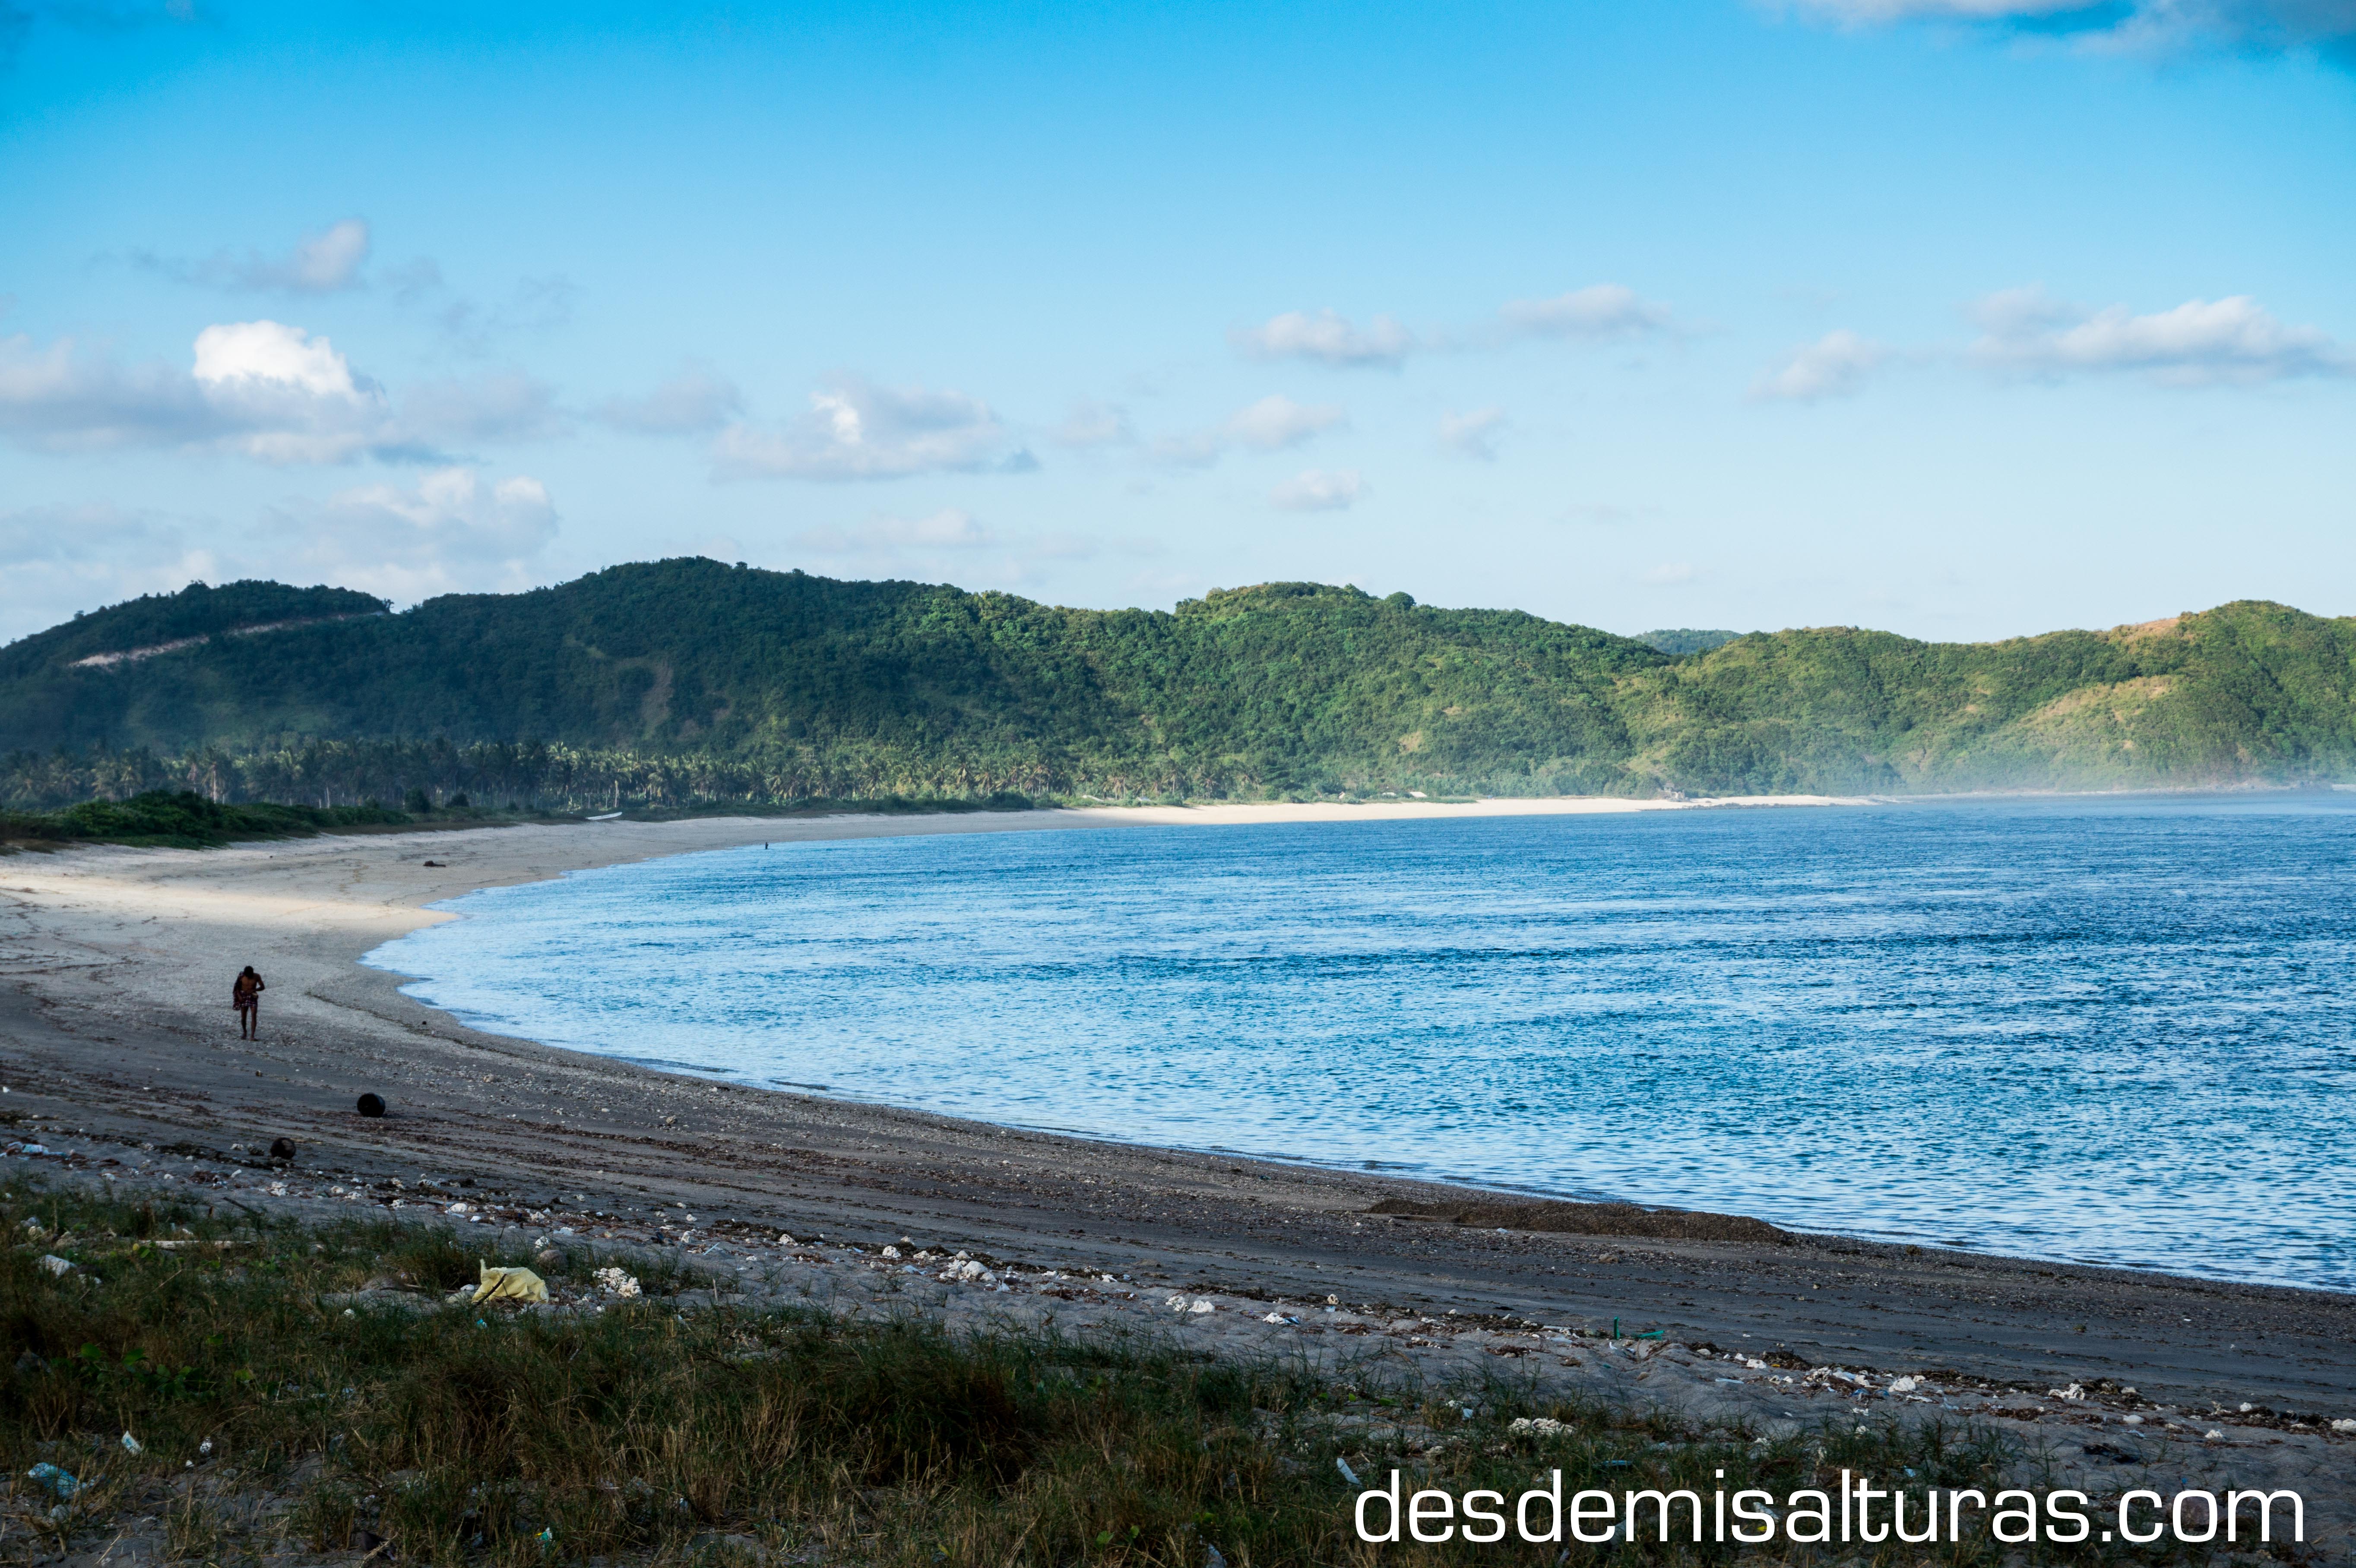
[[269, 1407]]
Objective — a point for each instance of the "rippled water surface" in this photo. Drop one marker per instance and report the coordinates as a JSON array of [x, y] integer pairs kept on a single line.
[[2114, 1030]]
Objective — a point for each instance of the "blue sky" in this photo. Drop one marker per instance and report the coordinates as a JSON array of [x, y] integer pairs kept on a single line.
[[1965, 318]]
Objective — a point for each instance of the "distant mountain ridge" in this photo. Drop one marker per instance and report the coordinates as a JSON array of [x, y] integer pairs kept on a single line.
[[679, 681]]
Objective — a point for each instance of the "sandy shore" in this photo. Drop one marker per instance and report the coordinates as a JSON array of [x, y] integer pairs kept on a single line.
[[116, 1040]]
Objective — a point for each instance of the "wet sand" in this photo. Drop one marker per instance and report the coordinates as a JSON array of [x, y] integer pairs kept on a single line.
[[116, 1039]]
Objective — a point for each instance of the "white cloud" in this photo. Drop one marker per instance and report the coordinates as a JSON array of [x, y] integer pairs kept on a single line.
[[452, 532], [280, 395], [54, 560], [855, 429], [1834, 365], [1327, 338], [263, 388], [696, 402], [2160, 27], [1594, 313], [1319, 490], [1272, 425], [328, 259], [63, 398], [2230, 341], [320, 264], [268, 353], [1091, 424], [504, 405], [1277, 421], [48, 534], [1472, 433]]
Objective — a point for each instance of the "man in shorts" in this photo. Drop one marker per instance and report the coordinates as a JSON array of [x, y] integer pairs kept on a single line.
[[246, 996]]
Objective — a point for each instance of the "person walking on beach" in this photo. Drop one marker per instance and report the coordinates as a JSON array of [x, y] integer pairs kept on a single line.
[[246, 996]]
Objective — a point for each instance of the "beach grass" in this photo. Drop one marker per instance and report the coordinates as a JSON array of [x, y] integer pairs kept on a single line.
[[272, 1411]]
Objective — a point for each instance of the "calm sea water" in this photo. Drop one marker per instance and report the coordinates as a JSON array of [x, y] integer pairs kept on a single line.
[[2117, 1030]]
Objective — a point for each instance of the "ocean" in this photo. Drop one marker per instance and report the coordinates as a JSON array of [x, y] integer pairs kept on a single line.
[[2114, 1030]]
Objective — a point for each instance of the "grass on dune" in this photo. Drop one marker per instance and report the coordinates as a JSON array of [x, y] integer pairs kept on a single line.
[[477, 1435]]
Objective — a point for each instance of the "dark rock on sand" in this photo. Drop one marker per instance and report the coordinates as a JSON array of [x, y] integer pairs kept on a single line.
[[1591, 1220]]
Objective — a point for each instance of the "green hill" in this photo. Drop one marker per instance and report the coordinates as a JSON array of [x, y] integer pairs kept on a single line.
[[1686, 639], [682, 681]]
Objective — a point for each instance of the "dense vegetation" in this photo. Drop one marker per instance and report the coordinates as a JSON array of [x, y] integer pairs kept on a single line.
[[681, 682], [423, 1431], [187, 820], [1686, 639]]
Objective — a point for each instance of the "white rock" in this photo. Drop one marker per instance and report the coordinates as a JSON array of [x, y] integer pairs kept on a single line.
[[891, 1252], [2343, 1426]]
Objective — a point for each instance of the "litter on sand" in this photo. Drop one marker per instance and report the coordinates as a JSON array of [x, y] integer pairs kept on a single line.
[[58, 1483], [131, 1444], [510, 1285], [57, 1265]]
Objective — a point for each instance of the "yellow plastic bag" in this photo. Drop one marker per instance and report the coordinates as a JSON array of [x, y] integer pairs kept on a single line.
[[510, 1285]]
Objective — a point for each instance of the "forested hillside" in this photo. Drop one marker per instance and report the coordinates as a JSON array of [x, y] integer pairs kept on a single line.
[[682, 681]]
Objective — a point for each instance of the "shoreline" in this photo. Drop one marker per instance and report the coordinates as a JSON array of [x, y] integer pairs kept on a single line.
[[850, 825], [117, 1033]]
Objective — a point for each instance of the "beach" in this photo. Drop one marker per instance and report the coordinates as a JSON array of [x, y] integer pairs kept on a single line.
[[119, 1043]]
